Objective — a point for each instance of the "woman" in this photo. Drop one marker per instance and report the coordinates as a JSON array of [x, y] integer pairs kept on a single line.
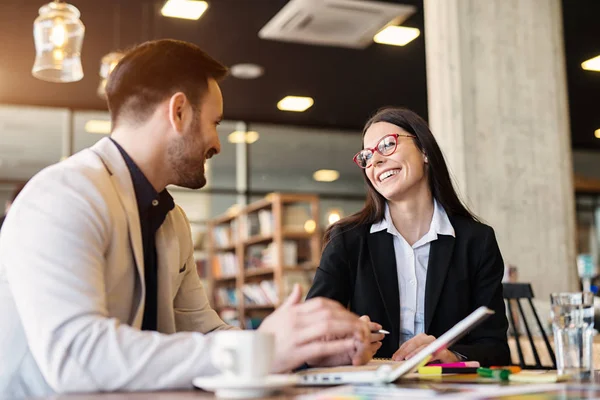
[[414, 258]]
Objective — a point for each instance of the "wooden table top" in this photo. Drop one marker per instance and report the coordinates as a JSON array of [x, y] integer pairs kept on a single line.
[[572, 390]]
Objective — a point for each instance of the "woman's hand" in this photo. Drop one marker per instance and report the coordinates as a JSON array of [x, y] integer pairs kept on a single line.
[[375, 338], [416, 344]]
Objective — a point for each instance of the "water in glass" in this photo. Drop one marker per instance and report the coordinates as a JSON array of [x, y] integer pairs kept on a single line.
[[573, 328]]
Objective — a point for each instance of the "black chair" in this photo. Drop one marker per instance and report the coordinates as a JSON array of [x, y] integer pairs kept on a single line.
[[515, 292]]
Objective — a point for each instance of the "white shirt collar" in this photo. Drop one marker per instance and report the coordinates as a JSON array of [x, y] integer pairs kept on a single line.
[[440, 225]]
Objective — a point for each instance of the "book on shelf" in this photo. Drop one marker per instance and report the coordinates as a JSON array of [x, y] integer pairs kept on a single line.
[[266, 222], [261, 294], [290, 254], [252, 225], [265, 256], [224, 264], [224, 235], [254, 256], [226, 297], [258, 223]]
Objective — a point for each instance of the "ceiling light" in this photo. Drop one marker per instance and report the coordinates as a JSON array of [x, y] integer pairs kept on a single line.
[[333, 216], [185, 9], [310, 226], [396, 35], [593, 64], [98, 126], [241, 137], [295, 103], [246, 71], [597, 133], [326, 175], [58, 35]]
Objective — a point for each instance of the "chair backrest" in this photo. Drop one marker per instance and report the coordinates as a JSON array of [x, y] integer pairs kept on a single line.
[[514, 293]]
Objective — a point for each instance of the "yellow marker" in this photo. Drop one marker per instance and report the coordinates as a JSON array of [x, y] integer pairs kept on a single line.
[[430, 370], [437, 370]]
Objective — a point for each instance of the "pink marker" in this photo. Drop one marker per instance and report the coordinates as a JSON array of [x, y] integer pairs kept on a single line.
[[464, 364]]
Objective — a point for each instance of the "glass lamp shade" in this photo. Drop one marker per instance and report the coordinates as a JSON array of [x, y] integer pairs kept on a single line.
[[58, 34], [108, 63]]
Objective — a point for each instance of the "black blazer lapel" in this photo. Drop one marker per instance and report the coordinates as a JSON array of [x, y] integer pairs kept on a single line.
[[383, 259], [440, 254]]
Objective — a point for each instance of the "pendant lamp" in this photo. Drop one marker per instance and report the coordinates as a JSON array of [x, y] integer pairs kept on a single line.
[[108, 63], [58, 34]]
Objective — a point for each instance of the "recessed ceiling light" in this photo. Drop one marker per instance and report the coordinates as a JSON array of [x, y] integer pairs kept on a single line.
[[597, 133], [240, 136], [326, 175], [295, 103], [246, 71], [185, 9], [396, 35], [98, 126], [593, 64]]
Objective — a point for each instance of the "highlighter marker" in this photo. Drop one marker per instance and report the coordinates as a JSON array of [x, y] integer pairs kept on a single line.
[[501, 374], [446, 370], [512, 368]]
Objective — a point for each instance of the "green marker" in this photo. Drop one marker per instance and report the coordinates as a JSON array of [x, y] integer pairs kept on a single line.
[[501, 374]]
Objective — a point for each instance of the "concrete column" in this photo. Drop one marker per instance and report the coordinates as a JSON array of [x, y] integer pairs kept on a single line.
[[498, 107]]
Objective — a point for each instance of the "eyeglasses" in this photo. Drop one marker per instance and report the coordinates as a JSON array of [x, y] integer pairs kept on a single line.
[[386, 147]]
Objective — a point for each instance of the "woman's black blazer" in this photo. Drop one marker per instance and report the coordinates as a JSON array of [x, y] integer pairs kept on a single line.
[[358, 269]]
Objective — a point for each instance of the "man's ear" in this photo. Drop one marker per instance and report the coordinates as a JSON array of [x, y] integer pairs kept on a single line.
[[178, 106]]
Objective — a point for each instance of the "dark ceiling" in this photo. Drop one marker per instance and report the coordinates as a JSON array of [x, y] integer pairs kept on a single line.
[[347, 84], [582, 42]]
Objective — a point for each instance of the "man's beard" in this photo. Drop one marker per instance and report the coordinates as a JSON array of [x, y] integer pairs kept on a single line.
[[186, 157]]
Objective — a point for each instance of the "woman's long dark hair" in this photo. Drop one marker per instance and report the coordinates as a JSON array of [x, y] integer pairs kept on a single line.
[[438, 176]]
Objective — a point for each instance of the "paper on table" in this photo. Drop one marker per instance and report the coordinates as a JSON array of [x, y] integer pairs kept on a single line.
[[539, 376], [448, 392], [369, 392]]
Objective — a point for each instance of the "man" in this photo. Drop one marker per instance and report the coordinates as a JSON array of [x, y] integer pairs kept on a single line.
[[9, 202], [98, 289]]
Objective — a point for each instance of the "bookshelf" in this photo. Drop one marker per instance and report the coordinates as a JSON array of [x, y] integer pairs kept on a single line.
[[199, 236], [258, 252]]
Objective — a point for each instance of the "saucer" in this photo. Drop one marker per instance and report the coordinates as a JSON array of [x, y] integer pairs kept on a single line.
[[234, 388]]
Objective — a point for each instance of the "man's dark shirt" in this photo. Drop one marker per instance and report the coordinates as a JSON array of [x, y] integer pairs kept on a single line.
[[153, 208]]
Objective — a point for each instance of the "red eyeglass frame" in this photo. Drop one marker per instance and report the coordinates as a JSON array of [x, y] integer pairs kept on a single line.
[[376, 148]]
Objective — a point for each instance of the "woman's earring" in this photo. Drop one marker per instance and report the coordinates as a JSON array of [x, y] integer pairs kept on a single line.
[[426, 160]]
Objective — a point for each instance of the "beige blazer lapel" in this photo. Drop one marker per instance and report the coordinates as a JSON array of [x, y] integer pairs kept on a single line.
[[168, 257], [121, 178]]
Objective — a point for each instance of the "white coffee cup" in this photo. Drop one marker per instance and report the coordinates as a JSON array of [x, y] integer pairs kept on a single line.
[[243, 355]]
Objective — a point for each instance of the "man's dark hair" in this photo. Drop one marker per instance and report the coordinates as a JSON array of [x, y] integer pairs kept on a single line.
[[153, 71]]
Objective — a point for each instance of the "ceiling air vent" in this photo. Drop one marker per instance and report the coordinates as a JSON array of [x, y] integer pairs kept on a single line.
[[341, 23]]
